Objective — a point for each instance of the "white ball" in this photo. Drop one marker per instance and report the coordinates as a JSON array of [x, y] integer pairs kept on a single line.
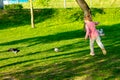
[[56, 49]]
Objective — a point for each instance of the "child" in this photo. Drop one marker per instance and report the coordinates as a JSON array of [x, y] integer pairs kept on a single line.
[[93, 35]]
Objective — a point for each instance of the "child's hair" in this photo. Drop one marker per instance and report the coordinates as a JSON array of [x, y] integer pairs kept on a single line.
[[88, 17]]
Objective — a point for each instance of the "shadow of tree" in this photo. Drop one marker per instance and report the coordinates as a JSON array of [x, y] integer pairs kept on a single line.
[[80, 65], [41, 15], [47, 39], [14, 18], [112, 34], [78, 15], [70, 65], [97, 10]]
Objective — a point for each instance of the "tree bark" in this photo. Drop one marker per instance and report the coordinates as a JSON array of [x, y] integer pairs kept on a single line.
[[83, 5], [64, 3], [32, 14]]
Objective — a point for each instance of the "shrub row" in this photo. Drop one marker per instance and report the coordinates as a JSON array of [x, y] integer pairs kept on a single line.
[[13, 6]]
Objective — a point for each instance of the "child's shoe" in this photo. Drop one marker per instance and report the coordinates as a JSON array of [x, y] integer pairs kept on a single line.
[[104, 51], [92, 54]]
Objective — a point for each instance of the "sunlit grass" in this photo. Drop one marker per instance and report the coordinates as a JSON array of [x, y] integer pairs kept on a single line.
[[62, 28], [73, 4]]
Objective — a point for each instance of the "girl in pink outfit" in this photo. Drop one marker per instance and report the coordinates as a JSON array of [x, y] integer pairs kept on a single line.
[[93, 35]]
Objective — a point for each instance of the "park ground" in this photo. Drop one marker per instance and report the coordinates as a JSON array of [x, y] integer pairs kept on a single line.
[[62, 28]]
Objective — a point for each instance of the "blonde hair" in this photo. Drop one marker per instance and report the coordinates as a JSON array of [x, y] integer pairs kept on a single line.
[[88, 17]]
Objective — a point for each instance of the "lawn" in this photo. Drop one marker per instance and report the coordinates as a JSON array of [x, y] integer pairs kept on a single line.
[[62, 28], [73, 3]]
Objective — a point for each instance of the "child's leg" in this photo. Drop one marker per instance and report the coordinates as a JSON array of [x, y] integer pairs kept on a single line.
[[92, 47], [98, 40]]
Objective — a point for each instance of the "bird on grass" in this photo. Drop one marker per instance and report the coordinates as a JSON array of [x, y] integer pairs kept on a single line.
[[14, 50]]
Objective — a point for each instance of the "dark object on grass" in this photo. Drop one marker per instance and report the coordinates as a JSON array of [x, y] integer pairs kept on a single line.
[[15, 50]]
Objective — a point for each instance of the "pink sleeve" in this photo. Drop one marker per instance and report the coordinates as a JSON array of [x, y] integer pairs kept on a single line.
[[87, 31]]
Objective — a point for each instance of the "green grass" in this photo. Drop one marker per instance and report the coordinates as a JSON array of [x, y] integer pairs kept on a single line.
[[73, 4], [62, 28]]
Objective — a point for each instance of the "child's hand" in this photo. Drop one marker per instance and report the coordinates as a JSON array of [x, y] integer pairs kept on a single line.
[[96, 23], [86, 38]]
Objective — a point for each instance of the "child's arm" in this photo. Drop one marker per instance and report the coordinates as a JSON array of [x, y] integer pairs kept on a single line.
[[87, 32]]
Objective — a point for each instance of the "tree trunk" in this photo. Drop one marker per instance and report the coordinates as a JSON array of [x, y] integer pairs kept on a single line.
[[64, 3], [83, 5], [32, 15], [112, 2]]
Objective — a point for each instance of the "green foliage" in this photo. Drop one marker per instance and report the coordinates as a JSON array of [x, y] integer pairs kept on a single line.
[[42, 2], [13, 6]]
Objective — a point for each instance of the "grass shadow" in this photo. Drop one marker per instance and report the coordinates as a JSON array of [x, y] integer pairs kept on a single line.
[[47, 39], [78, 14], [15, 18], [69, 69], [71, 65], [95, 11]]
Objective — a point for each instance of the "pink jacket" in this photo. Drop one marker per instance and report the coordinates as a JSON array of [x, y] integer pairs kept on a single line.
[[91, 30]]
